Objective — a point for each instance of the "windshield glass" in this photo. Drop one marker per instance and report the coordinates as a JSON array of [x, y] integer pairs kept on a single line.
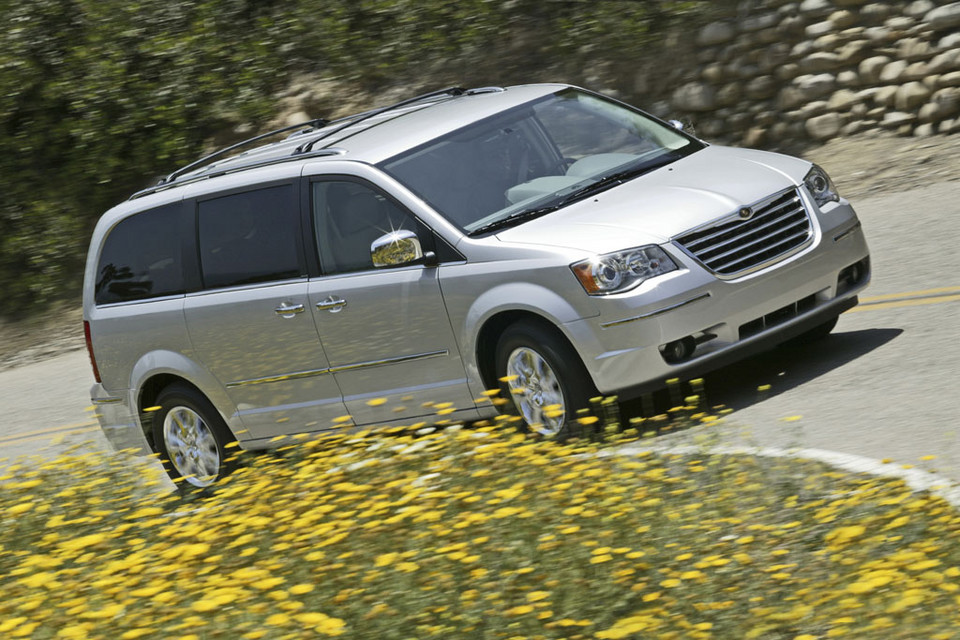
[[535, 158]]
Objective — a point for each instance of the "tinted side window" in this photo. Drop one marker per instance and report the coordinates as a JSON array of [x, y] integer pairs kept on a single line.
[[141, 257], [348, 217], [249, 237]]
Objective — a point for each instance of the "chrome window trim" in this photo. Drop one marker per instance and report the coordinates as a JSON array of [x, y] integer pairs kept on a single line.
[[344, 367]]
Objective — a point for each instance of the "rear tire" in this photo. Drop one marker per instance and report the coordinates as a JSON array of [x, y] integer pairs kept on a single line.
[[548, 380], [191, 438]]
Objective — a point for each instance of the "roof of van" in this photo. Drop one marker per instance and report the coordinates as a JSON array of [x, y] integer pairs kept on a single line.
[[368, 137]]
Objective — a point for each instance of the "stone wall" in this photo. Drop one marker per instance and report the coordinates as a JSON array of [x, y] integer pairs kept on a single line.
[[772, 72]]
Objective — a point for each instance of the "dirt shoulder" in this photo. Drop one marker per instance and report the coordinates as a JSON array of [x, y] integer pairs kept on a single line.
[[861, 166]]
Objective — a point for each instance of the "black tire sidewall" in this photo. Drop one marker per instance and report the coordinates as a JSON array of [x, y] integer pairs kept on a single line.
[[184, 396], [575, 382]]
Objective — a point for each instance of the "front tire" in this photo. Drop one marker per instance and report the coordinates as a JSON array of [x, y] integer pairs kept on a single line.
[[545, 378], [191, 438]]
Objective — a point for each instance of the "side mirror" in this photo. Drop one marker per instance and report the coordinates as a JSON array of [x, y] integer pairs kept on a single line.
[[396, 248], [676, 124]]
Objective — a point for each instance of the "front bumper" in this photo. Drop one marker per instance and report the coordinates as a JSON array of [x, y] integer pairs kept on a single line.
[[623, 348], [118, 422]]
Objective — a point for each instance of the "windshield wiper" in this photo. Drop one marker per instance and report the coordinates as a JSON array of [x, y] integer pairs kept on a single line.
[[514, 218], [584, 192]]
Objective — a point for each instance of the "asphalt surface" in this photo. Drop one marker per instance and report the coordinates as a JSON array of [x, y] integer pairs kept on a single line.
[[884, 385]]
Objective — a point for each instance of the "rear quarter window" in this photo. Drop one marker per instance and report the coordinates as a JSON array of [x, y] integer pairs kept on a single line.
[[141, 257]]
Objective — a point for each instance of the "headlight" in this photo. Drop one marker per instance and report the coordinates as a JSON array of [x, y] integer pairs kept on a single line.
[[820, 186], [623, 270]]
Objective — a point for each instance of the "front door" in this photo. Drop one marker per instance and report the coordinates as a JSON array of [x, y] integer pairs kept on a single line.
[[385, 331]]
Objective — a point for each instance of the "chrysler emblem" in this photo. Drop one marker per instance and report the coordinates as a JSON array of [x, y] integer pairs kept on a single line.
[[746, 213]]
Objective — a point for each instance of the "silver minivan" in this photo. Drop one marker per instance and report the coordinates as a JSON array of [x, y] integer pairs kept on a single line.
[[393, 266]]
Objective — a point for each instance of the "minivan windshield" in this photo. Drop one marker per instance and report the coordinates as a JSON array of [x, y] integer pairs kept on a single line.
[[536, 158]]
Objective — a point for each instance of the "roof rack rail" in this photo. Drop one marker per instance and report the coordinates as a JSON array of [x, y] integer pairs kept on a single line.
[[314, 124], [352, 120]]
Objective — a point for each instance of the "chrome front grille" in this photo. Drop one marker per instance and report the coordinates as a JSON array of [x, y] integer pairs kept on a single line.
[[773, 229]]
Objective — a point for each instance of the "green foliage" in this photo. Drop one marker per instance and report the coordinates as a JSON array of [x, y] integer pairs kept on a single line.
[[98, 97]]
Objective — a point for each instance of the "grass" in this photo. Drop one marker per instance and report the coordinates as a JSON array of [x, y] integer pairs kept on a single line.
[[475, 533]]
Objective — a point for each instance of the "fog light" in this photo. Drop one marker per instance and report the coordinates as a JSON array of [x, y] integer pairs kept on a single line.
[[679, 350]]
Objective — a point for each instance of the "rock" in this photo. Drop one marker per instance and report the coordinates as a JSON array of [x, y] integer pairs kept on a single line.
[[875, 12], [827, 42], [910, 96], [815, 86], [923, 130], [893, 71], [848, 79], [758, 22], [819, 61], [949, 126], [876, 114], [899, 23], [824, 127], [716, 33], [897, 119], [787, 72], [815, 7], [802, 48], [856, 126], [944, 62], [695, 96], [852, 52], [945, 17], [767, 118], [870, 68], [850, 3], [754, 137], [929, 112], [948, 101], [859, 110], [842, 100], [818, 29], [790, 25], [878, 35], [886, 96], [916, 71], [813, 109], [931, 82], [729, 94], [918, 8], [913, 49], [949, 41], [713, 73], [761, 88], [951, 79], [842, 19]]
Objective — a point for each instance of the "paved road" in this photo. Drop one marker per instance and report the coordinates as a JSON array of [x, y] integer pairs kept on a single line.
[[884, 385]]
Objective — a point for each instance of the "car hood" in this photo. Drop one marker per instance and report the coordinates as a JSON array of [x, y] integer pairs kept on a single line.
[[656, 206]]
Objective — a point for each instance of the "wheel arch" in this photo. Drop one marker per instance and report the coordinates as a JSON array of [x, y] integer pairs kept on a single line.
[[493, 328]]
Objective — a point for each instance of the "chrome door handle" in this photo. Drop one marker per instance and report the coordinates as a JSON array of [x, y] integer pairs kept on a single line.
[[288, 310], [331, 304]]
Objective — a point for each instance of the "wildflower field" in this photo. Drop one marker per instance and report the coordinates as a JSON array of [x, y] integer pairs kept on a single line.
[[474, 533]]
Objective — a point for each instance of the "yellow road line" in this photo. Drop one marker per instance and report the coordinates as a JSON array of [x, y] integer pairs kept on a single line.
[[909, 302], [27, 437], [910, 294], [49, 432]]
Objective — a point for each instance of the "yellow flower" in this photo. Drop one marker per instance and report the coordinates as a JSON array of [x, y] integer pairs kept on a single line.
[[277, 619], [601, 559], [670, 582], [299, 589], [536, 596], [407, 567], [201, 606], [520, 610], [385, 559]]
